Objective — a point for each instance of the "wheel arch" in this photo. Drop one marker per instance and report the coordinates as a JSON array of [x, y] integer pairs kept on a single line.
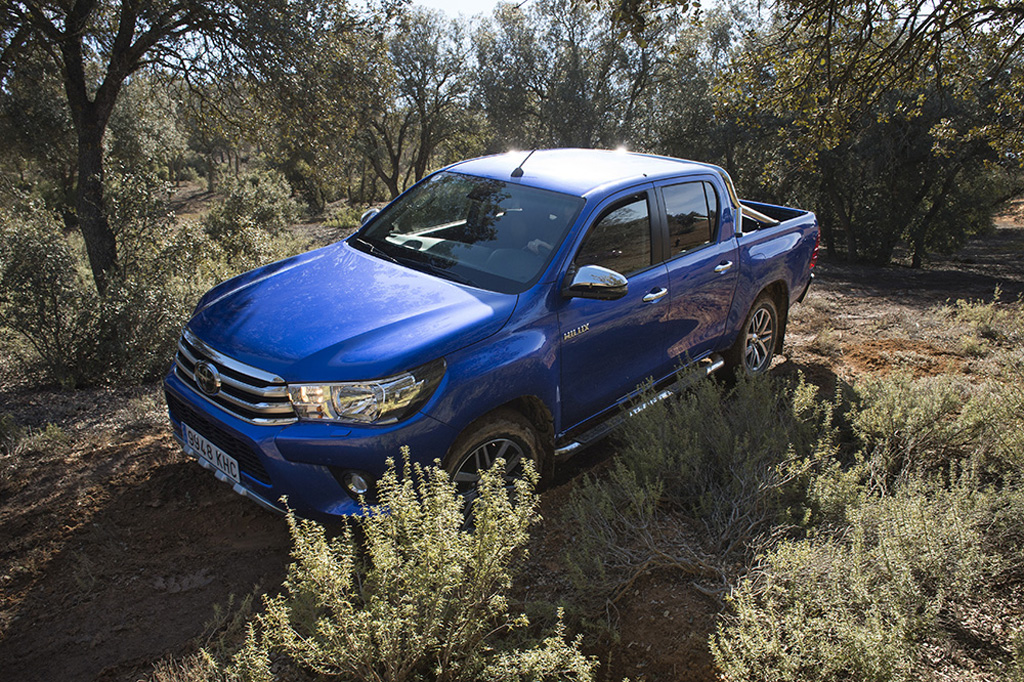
[[533, 410], [779, 293]]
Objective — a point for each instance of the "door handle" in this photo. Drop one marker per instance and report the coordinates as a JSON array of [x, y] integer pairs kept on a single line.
[[655, 294], [722, 267]]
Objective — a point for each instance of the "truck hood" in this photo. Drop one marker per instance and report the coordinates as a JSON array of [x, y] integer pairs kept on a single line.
[[338, 314]]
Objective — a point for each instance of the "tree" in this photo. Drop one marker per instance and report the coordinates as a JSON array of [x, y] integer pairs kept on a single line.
[[308, 116], [687, 117], [893, 139], [38, 152], [554, 73], [97, 45], [421, 101]]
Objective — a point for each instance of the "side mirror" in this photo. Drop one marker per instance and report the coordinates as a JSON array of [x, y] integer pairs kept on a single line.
[[365, 218], [594, 281]]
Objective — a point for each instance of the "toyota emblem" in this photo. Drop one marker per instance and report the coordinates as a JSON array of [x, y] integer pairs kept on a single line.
[[208, 378]]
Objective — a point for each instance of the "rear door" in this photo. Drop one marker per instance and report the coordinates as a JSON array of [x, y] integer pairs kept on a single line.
[[609, 347], [702, 265]]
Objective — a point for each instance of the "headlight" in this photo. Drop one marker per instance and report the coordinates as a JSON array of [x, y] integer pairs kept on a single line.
[[381, 401]]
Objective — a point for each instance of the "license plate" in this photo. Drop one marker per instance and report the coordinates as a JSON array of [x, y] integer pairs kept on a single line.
[[220, 460]]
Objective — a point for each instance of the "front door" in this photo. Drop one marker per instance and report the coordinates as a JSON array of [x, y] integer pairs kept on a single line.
[[609, 348]]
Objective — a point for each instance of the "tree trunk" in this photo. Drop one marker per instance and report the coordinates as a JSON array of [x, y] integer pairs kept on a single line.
[[825, 227], [92, 216], [211, 173], [839, 209]]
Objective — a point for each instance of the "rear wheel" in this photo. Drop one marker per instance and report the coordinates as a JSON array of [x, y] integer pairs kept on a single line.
[[506, 435], [754, 349]]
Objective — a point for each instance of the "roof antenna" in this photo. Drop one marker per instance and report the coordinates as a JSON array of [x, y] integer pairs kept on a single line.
[[518, 172]]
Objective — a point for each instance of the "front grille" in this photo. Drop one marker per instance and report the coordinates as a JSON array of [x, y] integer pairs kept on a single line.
[[248, 461], [249, 393]]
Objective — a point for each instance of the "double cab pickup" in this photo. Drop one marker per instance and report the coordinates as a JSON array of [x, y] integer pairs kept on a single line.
[[516, 306]]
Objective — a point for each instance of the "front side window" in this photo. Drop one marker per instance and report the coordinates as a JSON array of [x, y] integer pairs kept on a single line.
[[479, 231], [621, 239], [691, 220]]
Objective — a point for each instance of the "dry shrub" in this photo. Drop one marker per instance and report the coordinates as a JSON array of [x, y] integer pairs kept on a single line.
[[699, 483], [860, 604], [915, 536], [908, 426]]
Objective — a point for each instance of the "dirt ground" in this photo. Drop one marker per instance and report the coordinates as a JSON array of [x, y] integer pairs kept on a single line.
[[116, 550]]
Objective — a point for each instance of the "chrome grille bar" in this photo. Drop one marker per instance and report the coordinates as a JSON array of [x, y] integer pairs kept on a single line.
[[247, 392], [268, 392]]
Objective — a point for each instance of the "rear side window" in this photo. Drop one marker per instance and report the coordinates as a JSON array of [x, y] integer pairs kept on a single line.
[[692, 212], [621, 238]]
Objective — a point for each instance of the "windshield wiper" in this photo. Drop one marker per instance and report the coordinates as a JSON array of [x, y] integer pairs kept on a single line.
[[375, 250], [436, 270], [414, 263]]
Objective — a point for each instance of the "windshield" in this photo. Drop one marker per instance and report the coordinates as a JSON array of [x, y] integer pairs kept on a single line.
[[486, 233]]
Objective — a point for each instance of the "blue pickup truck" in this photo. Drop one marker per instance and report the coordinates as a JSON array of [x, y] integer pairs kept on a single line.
[[509, 306]]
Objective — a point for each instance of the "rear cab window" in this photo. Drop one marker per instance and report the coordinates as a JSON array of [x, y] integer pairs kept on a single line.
[[691, 214]]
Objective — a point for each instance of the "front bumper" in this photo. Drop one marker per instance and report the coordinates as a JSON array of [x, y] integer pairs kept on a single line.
[[303, 462]]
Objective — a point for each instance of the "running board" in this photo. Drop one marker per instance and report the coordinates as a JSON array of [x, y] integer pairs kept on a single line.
[[687, 378]]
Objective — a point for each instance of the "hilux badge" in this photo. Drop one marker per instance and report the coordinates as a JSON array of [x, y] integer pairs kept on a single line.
[[208, 378], [572, 333]]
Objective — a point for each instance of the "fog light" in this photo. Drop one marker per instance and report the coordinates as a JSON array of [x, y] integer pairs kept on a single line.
[[356, 484]]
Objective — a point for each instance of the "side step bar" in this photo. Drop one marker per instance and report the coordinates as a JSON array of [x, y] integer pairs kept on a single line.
[[704, 368]]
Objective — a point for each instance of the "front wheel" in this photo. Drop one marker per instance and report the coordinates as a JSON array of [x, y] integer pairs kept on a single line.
[[506, 435], [754, 349]]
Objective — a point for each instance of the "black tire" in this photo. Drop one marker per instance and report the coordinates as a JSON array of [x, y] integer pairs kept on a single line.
[[754, 349], [505, 434]]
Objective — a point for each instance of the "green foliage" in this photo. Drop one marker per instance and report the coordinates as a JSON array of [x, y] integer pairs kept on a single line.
[[257, 209], [995, 322], [82, 337], [346, 217], [418, 114], [860, 604], [256, 199], [127, 334], [911, 539], [554, 659], [890, 143], [198, 667], [44, 295], [146, 131], [736, 461], [803, 622], [38, 153], [908, 426], [426, 601], [307, 116]]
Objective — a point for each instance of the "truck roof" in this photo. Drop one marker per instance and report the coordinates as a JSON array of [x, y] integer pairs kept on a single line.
[[578, 171]]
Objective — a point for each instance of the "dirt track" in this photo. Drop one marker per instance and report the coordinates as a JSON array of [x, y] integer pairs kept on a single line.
[[115, 549]]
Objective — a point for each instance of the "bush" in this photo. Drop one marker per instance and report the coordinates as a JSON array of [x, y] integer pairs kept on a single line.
[[908, 426], [128, 335], [916, 535], [344, 217], [81, 337], [993, 329], [735, 463], [861, 604], [45, 295], [258, 207], [994, 321], [426, 601]]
